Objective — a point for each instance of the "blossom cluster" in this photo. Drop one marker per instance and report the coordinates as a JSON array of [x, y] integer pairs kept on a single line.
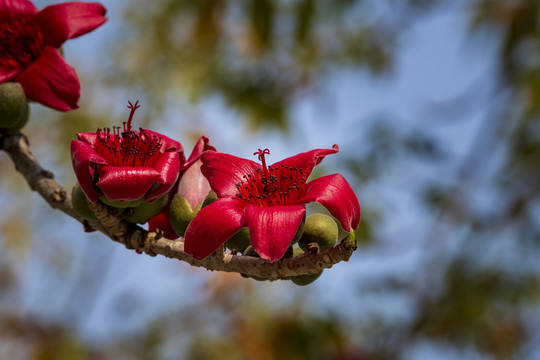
[[210, 199]]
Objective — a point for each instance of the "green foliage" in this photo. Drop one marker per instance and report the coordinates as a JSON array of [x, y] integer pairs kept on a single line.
[[256, 55]]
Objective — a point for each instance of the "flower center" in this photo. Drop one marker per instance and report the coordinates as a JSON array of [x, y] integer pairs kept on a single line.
[[272, 186], [128, 147], [21, 43]]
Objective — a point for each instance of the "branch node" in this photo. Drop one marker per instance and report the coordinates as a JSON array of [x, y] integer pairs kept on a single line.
[[59, 195], [47, 174]]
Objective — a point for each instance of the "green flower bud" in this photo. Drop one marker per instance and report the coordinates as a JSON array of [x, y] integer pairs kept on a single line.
[[80, 204], [303, 280], [320, 231], [23, 120], [121, 204], [210, 198], [181, 214], [13, 106], [147, 210], [239, 241]]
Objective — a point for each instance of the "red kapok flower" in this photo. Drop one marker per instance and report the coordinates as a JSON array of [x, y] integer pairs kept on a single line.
[[269, 200], [192, 185], [126, 165], [28, 48]]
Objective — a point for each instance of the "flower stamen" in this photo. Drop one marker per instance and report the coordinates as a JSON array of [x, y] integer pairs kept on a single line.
[[275, 186], [128, 147]]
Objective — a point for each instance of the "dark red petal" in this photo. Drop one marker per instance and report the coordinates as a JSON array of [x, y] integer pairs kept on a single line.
[[272, 228], [213, 225], [307, 160], [13, 9], [64, 21], [88, 137], [201, 146], [51, 81], [161, 221], [224, 171], [83, 157], [126, 183], [335, 194], [168, 168]]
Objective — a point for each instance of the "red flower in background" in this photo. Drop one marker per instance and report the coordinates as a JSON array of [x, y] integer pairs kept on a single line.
[[270, 201], [127, 165], [28, 48]]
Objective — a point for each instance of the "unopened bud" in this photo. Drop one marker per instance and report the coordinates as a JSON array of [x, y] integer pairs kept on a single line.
[[303, 280], [80, 204], [180, 214], [239, 241], [121, 204], [320, 231], [210, 198], [13, 107], [147, 210]]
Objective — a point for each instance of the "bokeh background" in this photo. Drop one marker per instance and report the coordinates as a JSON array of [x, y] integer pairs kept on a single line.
[[435, 106]]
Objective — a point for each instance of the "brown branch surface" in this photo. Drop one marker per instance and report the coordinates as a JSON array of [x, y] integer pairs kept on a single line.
[[151, 243]]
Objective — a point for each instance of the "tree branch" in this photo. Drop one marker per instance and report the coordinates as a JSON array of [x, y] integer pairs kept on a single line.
[[151, 243]]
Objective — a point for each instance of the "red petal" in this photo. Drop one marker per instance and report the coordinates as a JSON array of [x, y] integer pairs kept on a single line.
[[168, 143], [51, 81], [161, 221], [83, 156], [224, 171], [335, 194], [201, 146], [213, 225], [6, 75], [126, 183], [88, 137], [168, 166], [68, 20], [12, 9], [272, 228], [307, 160]]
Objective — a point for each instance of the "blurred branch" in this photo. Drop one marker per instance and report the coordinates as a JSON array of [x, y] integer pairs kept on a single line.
[[151, 243]]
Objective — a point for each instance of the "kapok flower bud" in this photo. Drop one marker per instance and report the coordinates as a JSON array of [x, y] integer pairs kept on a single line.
[[193, 190], [147, 210], [13, 106], [80, 204], [320, 231], [180, 214], [239, 241]]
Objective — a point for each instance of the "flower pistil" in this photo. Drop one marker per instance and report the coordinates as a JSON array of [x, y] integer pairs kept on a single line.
[[272, 186]]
